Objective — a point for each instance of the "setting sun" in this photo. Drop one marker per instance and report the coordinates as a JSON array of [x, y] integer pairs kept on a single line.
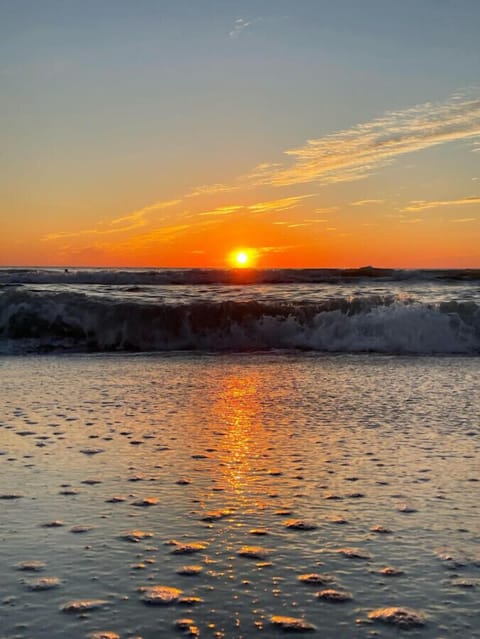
[[242, 258]]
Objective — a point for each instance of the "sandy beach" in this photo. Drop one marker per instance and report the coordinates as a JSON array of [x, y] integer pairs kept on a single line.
[[257, 487]]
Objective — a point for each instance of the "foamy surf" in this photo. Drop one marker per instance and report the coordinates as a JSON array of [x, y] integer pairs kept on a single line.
[[44, 321]]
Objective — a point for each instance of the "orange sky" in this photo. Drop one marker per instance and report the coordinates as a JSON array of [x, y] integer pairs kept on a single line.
[[285, 232], [220, 132]]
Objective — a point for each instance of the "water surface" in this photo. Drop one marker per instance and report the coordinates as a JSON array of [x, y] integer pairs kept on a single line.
[[208, 451]]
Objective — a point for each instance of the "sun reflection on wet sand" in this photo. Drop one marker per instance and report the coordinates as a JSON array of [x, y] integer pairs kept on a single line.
[[246, 445]]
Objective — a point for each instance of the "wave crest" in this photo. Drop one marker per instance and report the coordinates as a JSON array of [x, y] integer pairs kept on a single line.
[[46, 321]]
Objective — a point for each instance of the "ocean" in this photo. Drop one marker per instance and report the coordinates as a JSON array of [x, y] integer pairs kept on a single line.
[[320, 310], [236, 454]]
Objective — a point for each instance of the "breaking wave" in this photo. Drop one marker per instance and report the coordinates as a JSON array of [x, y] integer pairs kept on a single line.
[[39, 321]]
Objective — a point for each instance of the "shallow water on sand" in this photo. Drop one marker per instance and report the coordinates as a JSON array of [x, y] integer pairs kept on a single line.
[[228, 477]]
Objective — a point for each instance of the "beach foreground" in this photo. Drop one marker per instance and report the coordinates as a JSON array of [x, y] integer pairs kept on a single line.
[[317, 487]]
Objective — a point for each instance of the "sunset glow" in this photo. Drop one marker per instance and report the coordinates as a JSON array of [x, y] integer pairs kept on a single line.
[[169, 154], [242, 258]]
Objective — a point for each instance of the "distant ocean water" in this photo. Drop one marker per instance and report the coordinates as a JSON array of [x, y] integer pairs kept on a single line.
[[324, 310]]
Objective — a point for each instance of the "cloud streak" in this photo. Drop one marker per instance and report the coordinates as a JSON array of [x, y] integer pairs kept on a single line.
[[278, 205], [423, 205], [221, 210], [239, 26], [186, 220], [366, 202], [63, 235], [140, 214], [209, 189], [267, 206], [130, 222], [349, 154], [356, 153]]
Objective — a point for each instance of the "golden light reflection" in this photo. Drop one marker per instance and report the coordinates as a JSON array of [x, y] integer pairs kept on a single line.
[[244, 450]]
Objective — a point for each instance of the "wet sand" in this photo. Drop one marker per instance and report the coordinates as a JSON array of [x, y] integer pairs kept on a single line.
[[239, 496]]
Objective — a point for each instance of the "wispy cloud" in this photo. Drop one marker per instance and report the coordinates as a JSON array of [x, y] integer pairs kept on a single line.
[[129, 222], [281, 248], [155, 237], [63, 235], [462, 220], [141, 213], [349, 154], [209, 189], [324, 210], [239, 26], [222, 210], [278, 205], [308, 221], [423, 205], [163, 229], [267, 206], [366, 202], [358, 152]]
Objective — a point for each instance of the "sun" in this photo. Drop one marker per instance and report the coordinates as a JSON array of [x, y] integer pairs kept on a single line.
[[241, 258]]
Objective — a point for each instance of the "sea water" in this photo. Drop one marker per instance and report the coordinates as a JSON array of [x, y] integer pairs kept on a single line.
[[208, 491], [323, 310]]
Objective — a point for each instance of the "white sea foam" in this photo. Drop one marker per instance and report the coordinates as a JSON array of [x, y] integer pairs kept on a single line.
[[39, 321]]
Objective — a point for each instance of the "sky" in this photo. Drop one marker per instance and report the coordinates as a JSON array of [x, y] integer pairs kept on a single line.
[[311, 133]]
